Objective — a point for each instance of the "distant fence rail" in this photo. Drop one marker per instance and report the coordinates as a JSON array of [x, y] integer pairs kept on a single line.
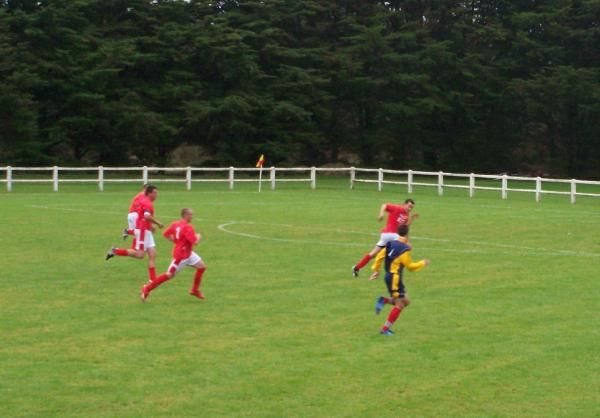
[[380, 177]]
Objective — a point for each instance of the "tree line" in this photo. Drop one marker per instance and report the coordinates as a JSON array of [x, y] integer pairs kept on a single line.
[[483, 86]]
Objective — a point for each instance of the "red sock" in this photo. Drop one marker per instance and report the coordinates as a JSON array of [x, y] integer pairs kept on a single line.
[[394, 314], [152, 273], [130, 232], [121, 252], [363, 261], [198, 279], [157, 281]]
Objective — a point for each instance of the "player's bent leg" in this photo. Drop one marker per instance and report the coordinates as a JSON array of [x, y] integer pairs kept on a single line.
[[399, 301], [200, 269], [376, 250], [122, 252], [379, 304], [364, 261], [153, 284], [151, 263]]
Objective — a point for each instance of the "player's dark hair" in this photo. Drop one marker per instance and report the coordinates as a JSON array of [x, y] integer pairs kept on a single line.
[[403, 230], [149, 189], [409, 201]]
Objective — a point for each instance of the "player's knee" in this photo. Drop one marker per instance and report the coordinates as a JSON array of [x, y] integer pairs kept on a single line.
[[406, 301]]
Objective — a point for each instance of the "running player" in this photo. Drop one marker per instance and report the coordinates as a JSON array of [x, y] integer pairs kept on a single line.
[[133, 215], [397, 256], [182, 234], [144, 240], [397, 215]]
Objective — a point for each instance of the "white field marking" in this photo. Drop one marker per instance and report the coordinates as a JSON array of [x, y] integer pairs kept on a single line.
[[222, 227], [441, 240], [530, 250]]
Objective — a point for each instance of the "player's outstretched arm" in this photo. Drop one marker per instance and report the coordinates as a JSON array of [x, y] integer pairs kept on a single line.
[[170, 234], [382, 212], [378, 260], [411, 265], [152, 220]]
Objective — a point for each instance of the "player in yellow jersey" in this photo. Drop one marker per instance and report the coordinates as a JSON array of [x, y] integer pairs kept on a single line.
[[376, 267], [397, 255]]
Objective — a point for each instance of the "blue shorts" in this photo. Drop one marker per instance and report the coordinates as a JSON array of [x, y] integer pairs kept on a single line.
[[395, 285]]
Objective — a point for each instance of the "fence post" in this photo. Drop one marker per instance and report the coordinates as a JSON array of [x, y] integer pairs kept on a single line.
[[352, 177], [272, 177], [504, 186], [9, 179], [410, 181], [313, 178], [145, 175], [471, 185], [380, 180], [440, 183], [101, 178], [573, 190], [538, 188], [188, 178], [231, 177], [55, 178]]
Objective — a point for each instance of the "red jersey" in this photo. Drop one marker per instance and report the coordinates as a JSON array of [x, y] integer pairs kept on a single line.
[[397, 215], [185, 238], [135, 203], [145, 206]]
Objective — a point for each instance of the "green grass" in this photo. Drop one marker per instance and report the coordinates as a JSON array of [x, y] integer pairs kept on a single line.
[[505, 322]]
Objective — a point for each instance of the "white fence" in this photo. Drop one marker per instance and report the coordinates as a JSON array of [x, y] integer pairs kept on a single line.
[[407, 177]]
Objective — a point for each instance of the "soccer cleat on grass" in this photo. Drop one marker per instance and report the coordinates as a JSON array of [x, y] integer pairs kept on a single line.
[[125, 234], [197, 293], [145, 293], [354, 271], [387, 332], [379, 304], [110, 253]]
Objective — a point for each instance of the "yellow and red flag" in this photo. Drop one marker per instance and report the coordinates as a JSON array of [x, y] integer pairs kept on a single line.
[[261, 161]]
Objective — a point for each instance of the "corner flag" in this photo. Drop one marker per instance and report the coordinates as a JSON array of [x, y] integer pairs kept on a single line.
[[261, 161]]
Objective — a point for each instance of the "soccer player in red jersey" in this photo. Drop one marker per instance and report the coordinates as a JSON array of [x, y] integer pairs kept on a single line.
[[397, 215], [132, 215], [182, 234], [144, 240]]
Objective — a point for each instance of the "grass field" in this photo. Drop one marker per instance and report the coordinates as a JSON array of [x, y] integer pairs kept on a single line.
[[505, 322]]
